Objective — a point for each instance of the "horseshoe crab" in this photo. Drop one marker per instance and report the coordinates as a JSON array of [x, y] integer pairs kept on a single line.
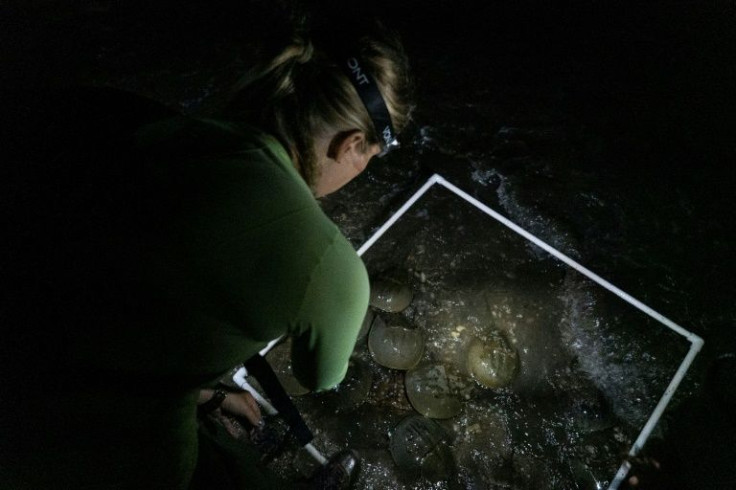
[[429, 390], [395, 347], [418, 446], [390, 294], [493, 362]]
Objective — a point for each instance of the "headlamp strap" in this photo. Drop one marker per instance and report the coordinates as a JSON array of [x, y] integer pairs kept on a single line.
[[368, 92]]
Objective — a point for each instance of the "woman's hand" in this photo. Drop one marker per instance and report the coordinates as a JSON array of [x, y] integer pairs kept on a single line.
[[645, 474], [241, 404]]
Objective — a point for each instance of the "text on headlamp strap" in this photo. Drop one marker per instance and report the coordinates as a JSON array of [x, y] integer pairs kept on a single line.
[[371, 97]]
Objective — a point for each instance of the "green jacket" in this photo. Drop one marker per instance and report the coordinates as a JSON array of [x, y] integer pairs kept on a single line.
[[150, 266]]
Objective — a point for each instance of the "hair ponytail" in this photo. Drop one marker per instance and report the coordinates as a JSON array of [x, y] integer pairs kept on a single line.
[[301, 93]]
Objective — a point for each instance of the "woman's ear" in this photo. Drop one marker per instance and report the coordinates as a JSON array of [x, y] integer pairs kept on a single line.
[[346, 146]]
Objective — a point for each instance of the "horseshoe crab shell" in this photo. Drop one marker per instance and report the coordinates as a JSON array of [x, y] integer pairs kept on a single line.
[[390, 294], [395, 347], [419, 447], [493, 362], [430, 393]]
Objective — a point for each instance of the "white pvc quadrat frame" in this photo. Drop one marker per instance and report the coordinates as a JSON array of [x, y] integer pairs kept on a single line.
[[695, 341]]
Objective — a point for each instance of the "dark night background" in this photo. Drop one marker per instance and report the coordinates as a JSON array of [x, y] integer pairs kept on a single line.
[[641, 94]]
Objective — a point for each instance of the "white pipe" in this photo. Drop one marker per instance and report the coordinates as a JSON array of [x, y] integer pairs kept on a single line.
[[315, 454], [696, 341], [269, 346], [564, 258], [398, 214], [239, 379], [657, 413]]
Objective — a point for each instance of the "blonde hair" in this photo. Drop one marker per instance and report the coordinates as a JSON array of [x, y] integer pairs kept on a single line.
[[302, 93]]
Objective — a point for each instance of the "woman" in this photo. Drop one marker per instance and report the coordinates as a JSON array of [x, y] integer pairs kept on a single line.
[[147, 260]]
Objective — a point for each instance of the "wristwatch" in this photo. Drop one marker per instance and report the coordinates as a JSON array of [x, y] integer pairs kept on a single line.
[[217, 398]]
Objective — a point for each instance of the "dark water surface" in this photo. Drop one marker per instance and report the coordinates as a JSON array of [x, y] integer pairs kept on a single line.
[[607, 131]]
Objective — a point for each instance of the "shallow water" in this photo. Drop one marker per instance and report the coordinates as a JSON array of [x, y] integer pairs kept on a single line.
[[586, 380]]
